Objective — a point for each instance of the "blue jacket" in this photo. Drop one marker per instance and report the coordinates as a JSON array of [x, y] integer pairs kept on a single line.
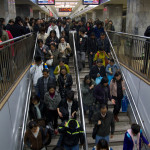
[[128, 142], [98, 32], [114, 68]]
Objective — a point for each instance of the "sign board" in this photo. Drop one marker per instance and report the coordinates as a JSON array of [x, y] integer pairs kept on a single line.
[[65, 9], [91, 2], [104, 1], [46, 2]]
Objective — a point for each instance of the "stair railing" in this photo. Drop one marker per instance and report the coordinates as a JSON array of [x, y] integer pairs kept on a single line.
[[79, 90]]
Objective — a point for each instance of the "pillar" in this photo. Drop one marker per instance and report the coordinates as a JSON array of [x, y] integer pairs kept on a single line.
[[94, 15], [7, 9], [36, 14], [24, 10], [114, 13], [137, 16], [99, 14], [43, 15]]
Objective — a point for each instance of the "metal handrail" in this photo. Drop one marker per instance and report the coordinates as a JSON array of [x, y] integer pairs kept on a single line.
[[115, 58], [79, 91], [122, 33], [25, 118], [14, 39]]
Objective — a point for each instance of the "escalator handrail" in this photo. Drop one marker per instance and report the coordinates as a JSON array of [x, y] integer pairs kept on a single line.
[[25, 118], [123, 33], [115, 58], [79, 91], [17, 38]]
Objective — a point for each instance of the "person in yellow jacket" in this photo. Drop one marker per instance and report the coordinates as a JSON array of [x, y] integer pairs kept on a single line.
[[57, 69], [101, 54]]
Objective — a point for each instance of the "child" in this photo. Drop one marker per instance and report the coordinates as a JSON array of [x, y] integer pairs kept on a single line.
[[133, 138], [87, 95], [117, 87], [72, 132], [111, 70], [36, 69], [101, 54]]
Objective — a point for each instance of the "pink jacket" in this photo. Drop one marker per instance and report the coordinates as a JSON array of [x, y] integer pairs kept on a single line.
[[113, 88]]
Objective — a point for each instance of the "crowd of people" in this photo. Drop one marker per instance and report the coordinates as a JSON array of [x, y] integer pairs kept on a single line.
[[53, 98]]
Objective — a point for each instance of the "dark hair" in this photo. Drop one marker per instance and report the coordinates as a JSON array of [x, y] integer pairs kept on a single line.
[[102, 144], [72, 124], [102, 106], [116, 75], [32, 124], [70, 95], [61, 60], [82, 30], [35, 97], [99, 61], [62, 68], [54, 21], [63, 22], [112, 60], [58, 148], [98, 23], [37, 58], [102, 34], [51, 86], [135, 128], [92, 34], [40, 41], [63, 32], [53, 44], [53, 31], [87, 77], [1, 30], [45, 70], [2, 20], [62, 38], [42, 29], [18, 19], [11, 21], [104, 80], [101, 48]]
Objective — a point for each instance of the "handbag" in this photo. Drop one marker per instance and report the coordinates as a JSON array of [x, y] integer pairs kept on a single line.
[[95, 129], [98, 80], [49, 62], [124, 104]]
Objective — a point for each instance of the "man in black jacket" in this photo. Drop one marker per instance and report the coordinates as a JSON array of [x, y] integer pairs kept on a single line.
[[98, 70], [104, 121], [68, 108], [72, 133], [81, 48], [43, 84], [92, 48], [104, 42]]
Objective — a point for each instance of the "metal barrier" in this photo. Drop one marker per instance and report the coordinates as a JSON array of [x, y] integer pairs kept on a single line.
[[15, 55], [79, 90], [132, 51], [128, 92]]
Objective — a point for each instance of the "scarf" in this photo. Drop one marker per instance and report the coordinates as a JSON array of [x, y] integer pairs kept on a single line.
[[138, 139]]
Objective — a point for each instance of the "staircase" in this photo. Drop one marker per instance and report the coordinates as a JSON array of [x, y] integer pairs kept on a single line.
[[120, 127]]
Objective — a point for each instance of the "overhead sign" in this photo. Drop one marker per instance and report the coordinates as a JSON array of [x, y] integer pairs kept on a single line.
[[46, 2], [65, 9], [104, 1], [91, 2]]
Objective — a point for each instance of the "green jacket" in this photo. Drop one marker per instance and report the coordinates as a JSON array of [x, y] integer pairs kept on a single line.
[[87, 94]]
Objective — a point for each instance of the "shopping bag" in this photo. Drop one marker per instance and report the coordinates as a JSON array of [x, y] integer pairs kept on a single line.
[[98, 80], [49, 62], [124, 104], [110, 77]]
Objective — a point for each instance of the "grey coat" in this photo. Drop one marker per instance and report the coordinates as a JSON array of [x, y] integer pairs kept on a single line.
[[87, 94], [52, 103]]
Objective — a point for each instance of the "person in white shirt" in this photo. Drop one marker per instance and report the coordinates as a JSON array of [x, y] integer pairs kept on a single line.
[[36, 69], [54, 27]]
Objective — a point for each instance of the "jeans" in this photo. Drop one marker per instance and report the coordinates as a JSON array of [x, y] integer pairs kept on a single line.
[[90, 108], [100, 137], [51, 71], [76, 147], [81, 59]]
